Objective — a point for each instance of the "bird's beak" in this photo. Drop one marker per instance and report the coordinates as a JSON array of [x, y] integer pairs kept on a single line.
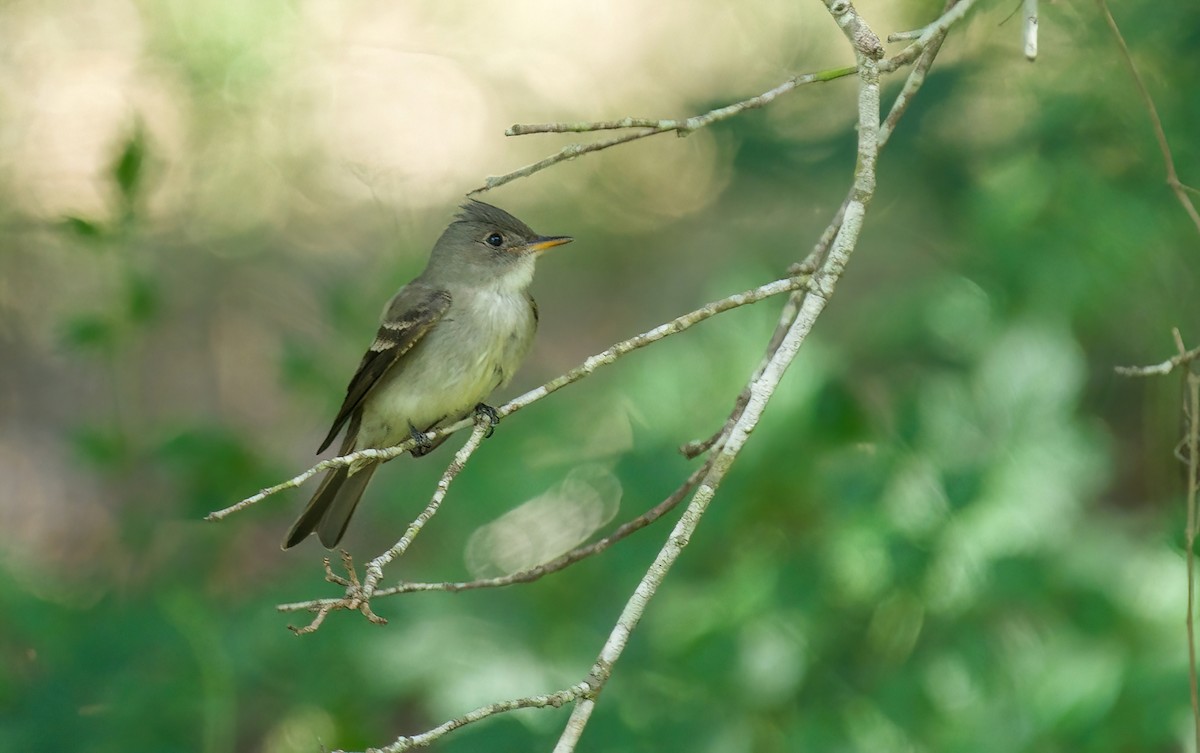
[[545, 243]]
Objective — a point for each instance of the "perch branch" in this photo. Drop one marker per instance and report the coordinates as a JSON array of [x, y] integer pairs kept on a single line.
[[673, 327]]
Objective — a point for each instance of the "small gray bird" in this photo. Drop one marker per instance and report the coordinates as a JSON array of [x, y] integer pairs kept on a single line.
[[446, 340]]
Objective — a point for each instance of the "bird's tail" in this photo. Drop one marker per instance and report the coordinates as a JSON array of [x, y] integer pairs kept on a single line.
[[329, 511]]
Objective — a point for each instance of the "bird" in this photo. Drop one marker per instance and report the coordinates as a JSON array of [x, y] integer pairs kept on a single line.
[[445, 341]]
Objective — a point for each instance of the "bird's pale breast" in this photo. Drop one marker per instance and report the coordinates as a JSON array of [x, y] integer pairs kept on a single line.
[[474, 349]]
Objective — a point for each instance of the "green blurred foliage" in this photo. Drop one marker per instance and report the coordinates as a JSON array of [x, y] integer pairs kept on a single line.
[[955, 529]]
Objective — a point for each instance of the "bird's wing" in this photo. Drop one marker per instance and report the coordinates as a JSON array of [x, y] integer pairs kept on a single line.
[[410, 316]]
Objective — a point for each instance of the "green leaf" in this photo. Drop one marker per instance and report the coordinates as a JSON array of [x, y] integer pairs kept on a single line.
[[142, 299], [127, 170], [301, 368], [102, 447], [83, 228], [212, 465], [90, 331]]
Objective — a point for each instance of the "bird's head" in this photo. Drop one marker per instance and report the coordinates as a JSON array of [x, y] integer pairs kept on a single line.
[[487, 245]]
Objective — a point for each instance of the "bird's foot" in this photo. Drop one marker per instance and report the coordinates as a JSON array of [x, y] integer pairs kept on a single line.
[[488, 412], [424, 444]]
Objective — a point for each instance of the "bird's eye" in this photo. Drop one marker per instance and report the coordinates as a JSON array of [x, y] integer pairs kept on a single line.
[[494, 240]]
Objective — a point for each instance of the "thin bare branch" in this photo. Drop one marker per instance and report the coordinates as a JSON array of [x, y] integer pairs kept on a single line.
[[358, 595], [762, 388], [914, 81], [649, 126], [587, 126], [375, 568], [351, 601], [1029, 30], [912, 85], [1160, 369], [1160, 135], [291, 483], [867, 43], [533, 573], [673, 327], [1192, 418], [569, 152], [926, 33], [551, 700]]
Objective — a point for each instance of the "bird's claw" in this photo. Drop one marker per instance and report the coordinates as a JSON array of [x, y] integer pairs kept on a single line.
[[482, 409], [424, 445]]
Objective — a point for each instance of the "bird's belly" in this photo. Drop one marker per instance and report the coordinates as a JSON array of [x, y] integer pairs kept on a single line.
[[446, 374]]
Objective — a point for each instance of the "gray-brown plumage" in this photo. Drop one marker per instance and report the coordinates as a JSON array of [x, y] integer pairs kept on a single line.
[[445, 341]]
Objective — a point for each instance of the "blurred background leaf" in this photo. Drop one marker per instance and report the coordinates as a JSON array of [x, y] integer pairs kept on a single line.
[[127, 169]]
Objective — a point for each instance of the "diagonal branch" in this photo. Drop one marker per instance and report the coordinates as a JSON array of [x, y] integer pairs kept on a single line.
[[922, 38], [673, 327], [1178, 187], [762, 388], [358, 595], [912, 84], [550, 700], [375, 568], [534, 573], [651, 127]]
